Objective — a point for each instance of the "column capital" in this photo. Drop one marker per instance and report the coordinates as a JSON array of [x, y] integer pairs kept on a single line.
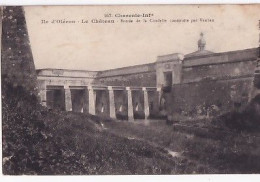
[[90, 87], [159, 89], [66, 86], [128, 88], [143, 88], [110, 88]]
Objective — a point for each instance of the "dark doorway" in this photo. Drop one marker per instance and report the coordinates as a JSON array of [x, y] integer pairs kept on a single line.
[[138, 104], [168, 78], [78, 98], [102, 103], [121, 104], [56, 99]]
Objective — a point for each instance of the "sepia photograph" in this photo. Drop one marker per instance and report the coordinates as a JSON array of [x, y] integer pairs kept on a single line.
[[130, 89]]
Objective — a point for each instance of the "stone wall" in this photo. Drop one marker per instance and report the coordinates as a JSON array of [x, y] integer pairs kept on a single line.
[[17, 66], [63, 73], [141, 75], [207, 98], [220, 66], [214, 86], [63, 77]]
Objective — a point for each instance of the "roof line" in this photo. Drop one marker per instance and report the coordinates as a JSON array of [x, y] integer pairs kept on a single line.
[[65, 69]]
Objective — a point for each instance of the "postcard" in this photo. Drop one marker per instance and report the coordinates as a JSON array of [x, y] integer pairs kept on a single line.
[[130, 89]]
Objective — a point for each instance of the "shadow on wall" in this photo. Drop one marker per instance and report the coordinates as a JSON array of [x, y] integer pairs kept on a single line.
[[246, 120], [208, 98]]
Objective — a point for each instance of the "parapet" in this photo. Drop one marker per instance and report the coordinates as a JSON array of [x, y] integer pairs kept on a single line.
[[170, 57]]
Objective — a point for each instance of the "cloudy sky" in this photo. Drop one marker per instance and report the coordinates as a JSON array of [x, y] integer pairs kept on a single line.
[[105, 46]]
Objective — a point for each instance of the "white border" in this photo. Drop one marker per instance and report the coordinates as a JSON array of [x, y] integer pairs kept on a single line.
[[136, 178], [114, 2], [133, 178]]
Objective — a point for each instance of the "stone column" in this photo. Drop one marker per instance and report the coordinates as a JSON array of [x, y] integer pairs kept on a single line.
[[146, 103], [159, 90], [68, 102], [130, 104], [43, 93], [112, 109], [91, 101]]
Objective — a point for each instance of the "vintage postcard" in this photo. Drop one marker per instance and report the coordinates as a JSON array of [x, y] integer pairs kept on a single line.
[[136, 89]]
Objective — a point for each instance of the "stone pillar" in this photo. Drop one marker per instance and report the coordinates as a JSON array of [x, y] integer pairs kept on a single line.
[[43, 93], [146, 103], [159, 90], [68, 101], [112, 109], [130, 104], [177, 73], [92, 101]]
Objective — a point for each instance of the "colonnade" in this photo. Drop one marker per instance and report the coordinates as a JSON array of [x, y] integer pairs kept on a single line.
[[91, 90]]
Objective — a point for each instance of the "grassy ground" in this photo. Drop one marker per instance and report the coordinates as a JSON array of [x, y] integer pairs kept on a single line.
[[211, 151]]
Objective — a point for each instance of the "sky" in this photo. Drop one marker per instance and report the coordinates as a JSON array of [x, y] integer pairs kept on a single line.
[[106, 46]]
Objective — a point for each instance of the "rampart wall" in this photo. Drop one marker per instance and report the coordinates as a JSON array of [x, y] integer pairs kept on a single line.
[[212, 84], [140, 75]]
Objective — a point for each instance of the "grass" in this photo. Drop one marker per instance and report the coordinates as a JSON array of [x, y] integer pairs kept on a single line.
[[216, 151]]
